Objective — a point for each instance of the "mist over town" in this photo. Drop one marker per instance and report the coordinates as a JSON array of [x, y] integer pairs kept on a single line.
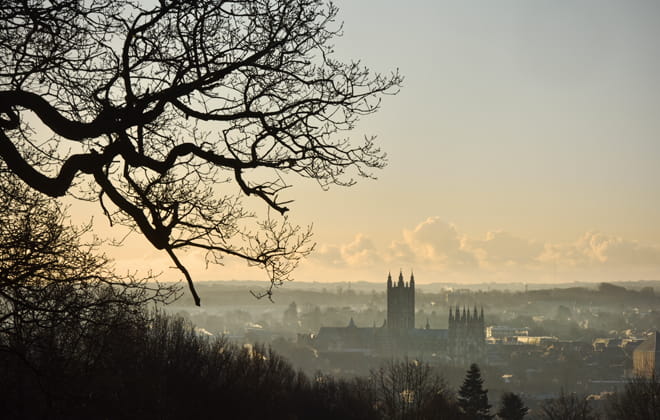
[[306, 209]]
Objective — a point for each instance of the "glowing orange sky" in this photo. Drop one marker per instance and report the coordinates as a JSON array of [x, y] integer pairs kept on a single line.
[[523, 147]]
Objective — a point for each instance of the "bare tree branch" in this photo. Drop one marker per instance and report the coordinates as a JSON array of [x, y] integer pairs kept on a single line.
[[163, 104]]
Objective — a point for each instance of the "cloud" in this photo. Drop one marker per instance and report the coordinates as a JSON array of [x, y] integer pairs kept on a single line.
[[503, 248], [328, 254], [433, 242], [440, 250], [598, 249], [360, 252]]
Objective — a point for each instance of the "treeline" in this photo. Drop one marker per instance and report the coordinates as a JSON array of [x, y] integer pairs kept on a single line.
[[157, 366]]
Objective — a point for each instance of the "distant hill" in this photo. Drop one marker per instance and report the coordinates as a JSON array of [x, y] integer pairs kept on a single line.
[[236, 293], [365, 286]]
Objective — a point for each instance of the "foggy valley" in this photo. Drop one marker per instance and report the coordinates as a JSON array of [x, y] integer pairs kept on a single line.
[[572, 337]]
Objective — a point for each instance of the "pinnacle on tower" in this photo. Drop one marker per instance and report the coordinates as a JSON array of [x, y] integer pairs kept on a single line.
[[389, 279], [400, 283], [412, 279]]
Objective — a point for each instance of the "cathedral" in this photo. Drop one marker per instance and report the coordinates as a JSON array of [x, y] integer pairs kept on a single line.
[[401, 303], [467, 336], [464, 341]]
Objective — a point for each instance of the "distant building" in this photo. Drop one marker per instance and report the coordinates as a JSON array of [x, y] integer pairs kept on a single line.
[[646, 357], [463, 343], [501, 332], [601, 344], [535, 340], [630, 344]]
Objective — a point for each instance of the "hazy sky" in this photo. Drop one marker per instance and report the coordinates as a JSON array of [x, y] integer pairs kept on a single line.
[[523, 146]]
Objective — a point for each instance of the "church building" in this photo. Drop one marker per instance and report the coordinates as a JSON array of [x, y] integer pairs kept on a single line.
[[464, 341]]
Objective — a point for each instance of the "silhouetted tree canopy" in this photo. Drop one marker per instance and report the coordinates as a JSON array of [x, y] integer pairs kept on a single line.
[[168, 113], [61, 305], [51, 277]]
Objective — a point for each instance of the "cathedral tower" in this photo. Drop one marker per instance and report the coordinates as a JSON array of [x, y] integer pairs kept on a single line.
[[401, 303]]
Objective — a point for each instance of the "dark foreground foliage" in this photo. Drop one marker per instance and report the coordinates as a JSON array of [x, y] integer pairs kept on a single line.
[[160, 367], [512, 407], [639, 400]]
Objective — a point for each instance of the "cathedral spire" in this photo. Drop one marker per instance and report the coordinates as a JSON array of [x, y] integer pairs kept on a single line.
[[412, 279], [400, 283], [389, 280]]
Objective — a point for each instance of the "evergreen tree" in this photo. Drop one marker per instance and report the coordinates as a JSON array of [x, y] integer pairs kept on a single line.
[[472, 398], [512, 407]]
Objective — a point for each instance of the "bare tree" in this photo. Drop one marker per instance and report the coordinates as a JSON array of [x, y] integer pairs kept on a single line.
[[167, 114], [51, 279], [639, 400], [567, 406], [409, 389], [61, 304]]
